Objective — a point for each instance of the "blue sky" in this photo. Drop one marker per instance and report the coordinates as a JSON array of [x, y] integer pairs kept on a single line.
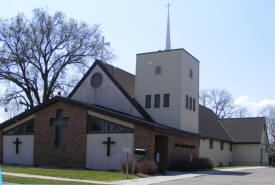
[[233, 39]]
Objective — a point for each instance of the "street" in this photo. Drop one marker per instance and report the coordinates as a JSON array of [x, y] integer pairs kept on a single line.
[[265, 176]]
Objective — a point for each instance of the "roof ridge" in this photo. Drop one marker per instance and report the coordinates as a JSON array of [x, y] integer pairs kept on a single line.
[[242, 118], [132, 100], [219, 121], [105, 63]]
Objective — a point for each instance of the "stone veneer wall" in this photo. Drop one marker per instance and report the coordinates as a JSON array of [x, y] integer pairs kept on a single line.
[[145, 138], [72, 152]]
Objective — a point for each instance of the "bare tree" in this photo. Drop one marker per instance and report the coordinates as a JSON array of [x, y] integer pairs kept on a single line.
[[269, 114], [241, 112], [43, 56], [219, 100]]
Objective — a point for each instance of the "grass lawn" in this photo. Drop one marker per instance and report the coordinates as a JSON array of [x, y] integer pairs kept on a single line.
[[22, 180], [228, 167], [72, 174]]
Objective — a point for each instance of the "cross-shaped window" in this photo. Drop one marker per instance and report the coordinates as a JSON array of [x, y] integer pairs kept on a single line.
[[59, 122]]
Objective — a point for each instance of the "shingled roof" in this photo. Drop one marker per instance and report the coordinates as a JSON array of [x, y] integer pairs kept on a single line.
[[210, 127], [125, 79], [244, 130]]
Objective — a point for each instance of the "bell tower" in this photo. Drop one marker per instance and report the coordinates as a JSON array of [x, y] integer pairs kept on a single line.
[[167, 86]]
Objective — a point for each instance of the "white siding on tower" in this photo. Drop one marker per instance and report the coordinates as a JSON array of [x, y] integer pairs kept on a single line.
[[25, 154], [149, 83], [174, 80], [190, 87], [106, 95]]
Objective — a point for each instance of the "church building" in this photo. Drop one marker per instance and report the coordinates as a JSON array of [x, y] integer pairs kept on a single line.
[[111, 111]]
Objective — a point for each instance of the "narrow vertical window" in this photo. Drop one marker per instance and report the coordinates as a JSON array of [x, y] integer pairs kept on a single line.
[[221, 145], [147, 101], [230, 147], [190, 103], [194, 104], [186, 101], [211, 143], [166, 100], [158, 70], [190, 73], [157, 100]]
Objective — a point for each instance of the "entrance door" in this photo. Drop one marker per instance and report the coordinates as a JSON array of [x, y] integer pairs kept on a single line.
[[161, 152]]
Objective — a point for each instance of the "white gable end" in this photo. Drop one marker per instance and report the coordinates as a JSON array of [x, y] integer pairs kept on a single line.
[[106, 95]]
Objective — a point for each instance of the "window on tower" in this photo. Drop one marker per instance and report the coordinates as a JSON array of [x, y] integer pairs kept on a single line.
[[166, 100], [190, 73], [194, 104], [157, 100], [158, 70], [148, 101], [186, 101], [190, 103]]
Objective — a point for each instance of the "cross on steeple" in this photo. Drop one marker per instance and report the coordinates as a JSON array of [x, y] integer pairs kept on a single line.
[[103, 44], [168, 41], [17, 142], [108, 142], [59, 122]]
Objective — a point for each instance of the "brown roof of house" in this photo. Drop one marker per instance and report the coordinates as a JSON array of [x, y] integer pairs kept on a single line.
[[210, 127], [244, 130], [125, 79]]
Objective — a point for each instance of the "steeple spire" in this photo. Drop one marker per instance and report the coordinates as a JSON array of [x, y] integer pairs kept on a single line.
[[168, 41]]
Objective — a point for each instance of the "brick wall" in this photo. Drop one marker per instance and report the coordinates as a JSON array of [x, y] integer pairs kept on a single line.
[[181, 152], [145, 138], [72, 152]]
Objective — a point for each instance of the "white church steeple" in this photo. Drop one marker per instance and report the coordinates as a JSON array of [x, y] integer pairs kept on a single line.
[[168, 41]]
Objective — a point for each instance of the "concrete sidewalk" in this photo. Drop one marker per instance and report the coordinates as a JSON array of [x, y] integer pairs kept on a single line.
[[179, 175]]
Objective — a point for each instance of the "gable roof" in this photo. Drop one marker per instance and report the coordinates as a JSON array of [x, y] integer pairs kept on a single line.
[[244, 130], [118, 77], [101, 110], [210, 127], [125, 79]]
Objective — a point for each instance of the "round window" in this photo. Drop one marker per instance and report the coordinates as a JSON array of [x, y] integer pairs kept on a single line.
[[96, 80]]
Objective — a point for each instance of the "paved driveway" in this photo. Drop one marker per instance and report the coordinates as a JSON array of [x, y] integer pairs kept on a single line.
[[264, 176]]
